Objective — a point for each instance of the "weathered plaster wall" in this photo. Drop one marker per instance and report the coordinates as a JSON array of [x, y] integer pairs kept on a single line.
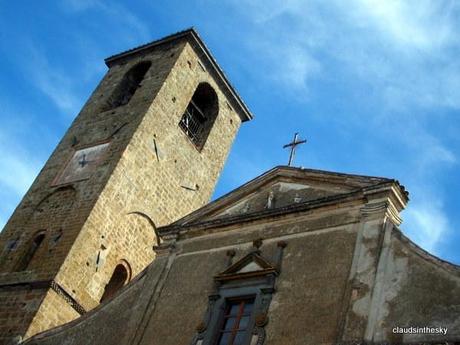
[[309, 290], [347, 276], [114, 322], [362, 278], [420, 290], [301, 297]]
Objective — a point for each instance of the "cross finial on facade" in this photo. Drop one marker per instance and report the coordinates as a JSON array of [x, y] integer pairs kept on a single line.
[[293, 146]]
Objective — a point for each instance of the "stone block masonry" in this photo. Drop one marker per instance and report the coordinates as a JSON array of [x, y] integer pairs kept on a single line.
[[128, 169]]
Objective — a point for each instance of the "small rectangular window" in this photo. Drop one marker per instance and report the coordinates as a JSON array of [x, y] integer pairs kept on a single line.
[[235, 321]]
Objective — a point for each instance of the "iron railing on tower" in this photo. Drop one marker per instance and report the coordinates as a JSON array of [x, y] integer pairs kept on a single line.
[[192, 123]]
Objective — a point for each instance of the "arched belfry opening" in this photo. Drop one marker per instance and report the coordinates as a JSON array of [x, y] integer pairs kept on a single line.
[[120, 277], [128, 85], [33, 246], [200, 115]]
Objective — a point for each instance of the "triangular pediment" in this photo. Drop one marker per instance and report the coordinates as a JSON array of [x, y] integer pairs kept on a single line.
[[277, 194], [250, 265], [279, 188]]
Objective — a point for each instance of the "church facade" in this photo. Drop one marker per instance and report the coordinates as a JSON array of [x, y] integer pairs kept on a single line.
[[116, 243]]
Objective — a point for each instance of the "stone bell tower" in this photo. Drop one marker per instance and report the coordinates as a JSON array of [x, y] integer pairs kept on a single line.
[[146, 149]]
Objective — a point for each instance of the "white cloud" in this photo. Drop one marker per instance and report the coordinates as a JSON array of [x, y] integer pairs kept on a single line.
[[426, 223], [426, 220], [54, 83], [22, 157], [139, 30], [61, 85], [405, 50], [431, 154], [297, 69], [423, 24], [18, 168], [399, 56], [130, 26], [263, 11], [19, 165]]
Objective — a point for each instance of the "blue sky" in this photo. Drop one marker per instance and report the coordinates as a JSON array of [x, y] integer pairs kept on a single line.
[[373, 85]]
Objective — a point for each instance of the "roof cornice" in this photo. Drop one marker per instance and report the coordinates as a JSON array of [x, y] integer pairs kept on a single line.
[[351, 197], [382, 189], [287, 171]]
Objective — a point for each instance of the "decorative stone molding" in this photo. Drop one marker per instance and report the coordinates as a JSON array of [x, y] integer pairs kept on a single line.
[[385, 208], [230, 255], [67, 298], [258, 336], [261, 319], [164, 249], [201, 327], [252, 275]]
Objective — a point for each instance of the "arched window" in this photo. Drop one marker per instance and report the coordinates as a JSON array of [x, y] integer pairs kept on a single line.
[[128, 86], [31, 251], [200, 115], [120, 276]]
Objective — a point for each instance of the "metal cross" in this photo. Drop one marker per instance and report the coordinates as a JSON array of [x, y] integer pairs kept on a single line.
[[83, 161], [293, 145]]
